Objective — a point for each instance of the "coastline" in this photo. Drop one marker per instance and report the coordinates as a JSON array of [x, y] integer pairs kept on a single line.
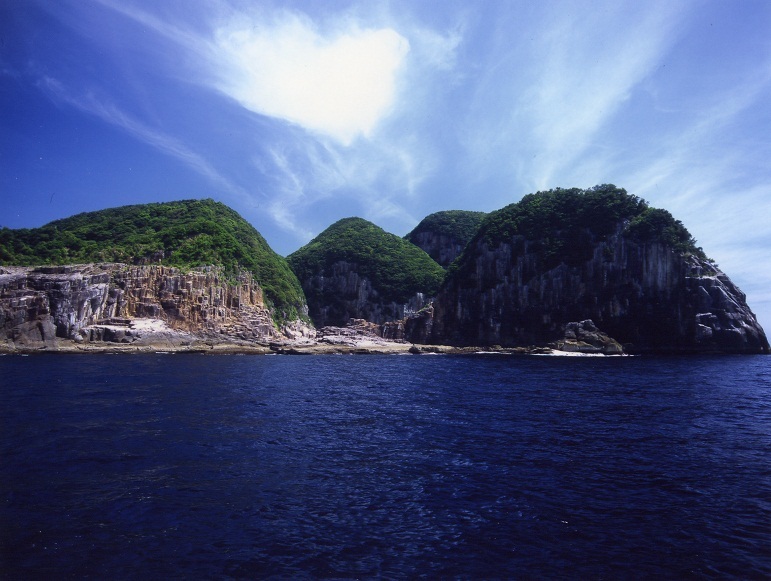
[[151, 335], [138, 335], [208, 347]]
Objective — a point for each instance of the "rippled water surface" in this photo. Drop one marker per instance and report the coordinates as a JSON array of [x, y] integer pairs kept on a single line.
[[193, 466]]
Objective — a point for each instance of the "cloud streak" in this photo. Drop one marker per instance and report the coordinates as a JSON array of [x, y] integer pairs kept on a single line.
[[559, 78], [111, 114]]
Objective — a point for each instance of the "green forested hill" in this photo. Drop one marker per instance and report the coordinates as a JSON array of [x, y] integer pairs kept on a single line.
[[460, 225], [444, 235], [396, 268], [563, 223], [185, 234]]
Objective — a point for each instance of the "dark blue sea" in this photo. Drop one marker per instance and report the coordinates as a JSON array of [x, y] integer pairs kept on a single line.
[[392, 467]]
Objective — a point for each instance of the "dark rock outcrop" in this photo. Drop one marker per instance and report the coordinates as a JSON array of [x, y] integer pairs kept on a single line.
[[646, 295], [441, 247], [418, 326], [356, 270], [444, 235], [585, 337], [341, 293]]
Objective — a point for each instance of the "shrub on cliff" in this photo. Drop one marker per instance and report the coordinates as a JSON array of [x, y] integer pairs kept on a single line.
[[396, 268], [562, 225], [184, 234], [460, 225], [654, 224], [455, 226]]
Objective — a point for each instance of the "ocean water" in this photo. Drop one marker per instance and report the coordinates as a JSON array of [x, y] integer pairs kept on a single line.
[[393, 467]]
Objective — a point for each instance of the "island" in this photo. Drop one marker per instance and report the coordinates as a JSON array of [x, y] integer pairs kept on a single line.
[[595, 271]]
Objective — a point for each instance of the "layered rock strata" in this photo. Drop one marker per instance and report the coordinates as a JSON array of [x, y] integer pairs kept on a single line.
[[88, 302]]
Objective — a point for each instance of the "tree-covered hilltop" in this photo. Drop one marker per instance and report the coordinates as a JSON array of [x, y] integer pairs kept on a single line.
[[443, 235], [562, 224], [458, 224], [185, 234], [396, 269], [570, 255]]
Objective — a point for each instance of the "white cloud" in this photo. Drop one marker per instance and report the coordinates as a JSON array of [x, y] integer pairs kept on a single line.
[[338, 85]]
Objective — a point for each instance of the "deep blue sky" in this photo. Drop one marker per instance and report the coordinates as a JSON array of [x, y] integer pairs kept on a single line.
[[297, 114]]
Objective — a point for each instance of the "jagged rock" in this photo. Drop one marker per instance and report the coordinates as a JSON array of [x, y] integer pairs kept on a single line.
[[393, 330], [356, 330], [41, 330], [96, 302], [418, 326], [585, 337], [645, 295]]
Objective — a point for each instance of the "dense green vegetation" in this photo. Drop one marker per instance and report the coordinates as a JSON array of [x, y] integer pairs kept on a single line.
[[659, 225], [184, 234], [563, 225], [396, 268], [459, 225]]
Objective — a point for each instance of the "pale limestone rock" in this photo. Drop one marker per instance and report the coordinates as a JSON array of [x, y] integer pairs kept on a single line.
[[87, 303]]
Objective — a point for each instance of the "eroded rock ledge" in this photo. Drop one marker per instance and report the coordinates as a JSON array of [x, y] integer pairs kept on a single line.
[[112, 303]]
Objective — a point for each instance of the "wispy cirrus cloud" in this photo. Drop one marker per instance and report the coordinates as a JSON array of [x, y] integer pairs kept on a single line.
[[372, 180], [353, 87], [110, 113], [560, 76]]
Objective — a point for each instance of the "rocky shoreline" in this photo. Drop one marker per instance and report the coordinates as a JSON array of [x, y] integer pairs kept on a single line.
[[117, 308], [148, 335]]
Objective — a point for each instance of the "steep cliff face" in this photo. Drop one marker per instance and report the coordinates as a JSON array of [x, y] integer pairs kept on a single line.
[[356, 270], [341, 293], [444, 235], [184, 234], [441, 247], [646, 295], [40, 304]]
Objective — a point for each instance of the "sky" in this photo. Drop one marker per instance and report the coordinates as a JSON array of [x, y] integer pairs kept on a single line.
[[297, 114]]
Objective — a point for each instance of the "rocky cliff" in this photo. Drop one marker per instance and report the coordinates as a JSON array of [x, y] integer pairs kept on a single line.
[[342, 292], [185, 234], [356, 270], [88, 302], [633, 271], [579, 269], [444, 235]]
